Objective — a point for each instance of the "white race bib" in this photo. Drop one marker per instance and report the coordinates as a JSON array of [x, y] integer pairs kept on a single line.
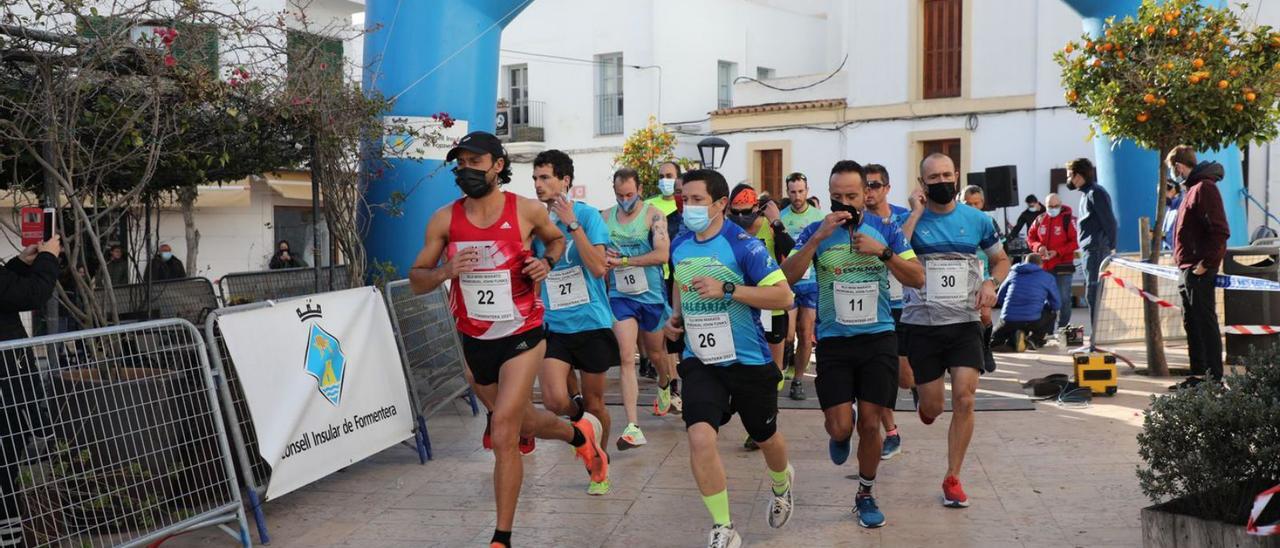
[[856, 303], [766, 320], [631, 280], [895, 288], [488, 295], [711, 337], [947, 280], [567, 287]]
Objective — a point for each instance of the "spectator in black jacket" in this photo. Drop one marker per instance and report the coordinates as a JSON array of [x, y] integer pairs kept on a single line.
[[117, 266], [26, 283], [1028, 216], [284, 258], [165, 266]]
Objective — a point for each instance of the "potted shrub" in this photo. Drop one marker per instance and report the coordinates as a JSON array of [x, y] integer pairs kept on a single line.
[[1209, 451]]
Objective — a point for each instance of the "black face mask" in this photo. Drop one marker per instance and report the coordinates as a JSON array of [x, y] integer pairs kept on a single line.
[[856, 215], [744, 220], [941, 193], [472, 182]]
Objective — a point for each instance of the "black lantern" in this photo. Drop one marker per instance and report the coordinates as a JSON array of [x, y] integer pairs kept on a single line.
[[713, 151]]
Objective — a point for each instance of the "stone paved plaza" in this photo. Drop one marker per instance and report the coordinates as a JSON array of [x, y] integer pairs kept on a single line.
[[1054, 476]]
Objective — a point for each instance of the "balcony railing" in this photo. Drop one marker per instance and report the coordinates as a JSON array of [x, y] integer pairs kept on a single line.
[[524, 122], [609, 114]]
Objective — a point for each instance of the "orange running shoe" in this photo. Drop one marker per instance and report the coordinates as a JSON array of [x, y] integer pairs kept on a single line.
[[592, 453]]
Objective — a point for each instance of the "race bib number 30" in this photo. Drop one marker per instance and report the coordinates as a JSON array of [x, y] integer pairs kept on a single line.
[[488, 295], [947, 281], [631, 280], [856, 303], [711, 337], [567, 288]]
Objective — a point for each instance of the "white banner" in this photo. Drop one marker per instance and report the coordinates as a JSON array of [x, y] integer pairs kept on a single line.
[[420, 137], [323, 381]]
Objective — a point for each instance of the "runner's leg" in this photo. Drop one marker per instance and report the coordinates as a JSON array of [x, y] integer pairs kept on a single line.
[[625, 331], [964, 385], [805, 318], [511, 398], [869, 441], [932, 398], [554, 378], [593, 397]]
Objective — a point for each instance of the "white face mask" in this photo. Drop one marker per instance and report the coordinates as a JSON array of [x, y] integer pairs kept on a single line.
[[1054, 211], [667, 186], [166, 255]]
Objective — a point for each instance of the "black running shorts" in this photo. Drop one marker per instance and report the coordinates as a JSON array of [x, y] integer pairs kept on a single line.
[[902, 333], [858, 368], [712, 394], [936, 348], [485, 357], [592, 351], [778, 329]]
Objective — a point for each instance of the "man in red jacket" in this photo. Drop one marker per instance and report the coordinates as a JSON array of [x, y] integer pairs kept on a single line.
[[1199, 242], [1052, 236]]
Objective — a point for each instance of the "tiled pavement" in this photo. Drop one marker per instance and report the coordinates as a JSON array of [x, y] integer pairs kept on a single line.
[[1051, 477]]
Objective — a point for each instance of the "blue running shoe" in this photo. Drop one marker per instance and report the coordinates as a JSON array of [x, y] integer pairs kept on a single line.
[[839, 450], [892, 446], [869, 514]]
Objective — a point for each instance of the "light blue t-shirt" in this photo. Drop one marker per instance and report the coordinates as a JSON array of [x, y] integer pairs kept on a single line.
[[898, 216], [730, 256], [592, 310], [948, 245], [634, 239], [853, 288], [795, 223]]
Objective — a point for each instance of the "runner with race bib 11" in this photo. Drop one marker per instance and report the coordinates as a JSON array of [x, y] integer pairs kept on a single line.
[[724, 277], [941, 320]]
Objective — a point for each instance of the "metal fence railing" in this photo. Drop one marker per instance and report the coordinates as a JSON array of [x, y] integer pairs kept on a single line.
[[253, 470], [429, 347], [113, 437], [189, 298], [251, 287], [1120, 316]]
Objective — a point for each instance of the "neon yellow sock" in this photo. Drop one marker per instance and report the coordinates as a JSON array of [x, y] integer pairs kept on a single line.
[[718, 505], [781, 481]]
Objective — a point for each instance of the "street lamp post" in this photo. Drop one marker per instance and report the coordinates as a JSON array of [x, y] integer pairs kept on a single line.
[[713, 151]]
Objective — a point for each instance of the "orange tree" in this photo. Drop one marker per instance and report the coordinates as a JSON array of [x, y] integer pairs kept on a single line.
[[1177, 73], [647, 149]]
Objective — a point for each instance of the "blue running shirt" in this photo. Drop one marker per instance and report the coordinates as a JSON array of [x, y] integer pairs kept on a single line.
[[853, 288], [897, 217], [642, 284], [575, 300], [948, 245], [795, 223], [730, 256]]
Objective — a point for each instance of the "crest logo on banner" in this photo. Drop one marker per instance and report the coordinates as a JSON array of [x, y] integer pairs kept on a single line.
[[324, 359]]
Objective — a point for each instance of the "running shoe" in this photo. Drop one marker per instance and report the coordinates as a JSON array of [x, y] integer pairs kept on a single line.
[[647, 370], [598, 488], [953, 494], [789, 373], [869, 515], [527, 445], [591, 453], [780, 506], [662, 403], [486, 441], [892, 446], [631, 438], [723, 536], [782, 383], [677, 403], [797, 390], [839, 450], [750, 444]]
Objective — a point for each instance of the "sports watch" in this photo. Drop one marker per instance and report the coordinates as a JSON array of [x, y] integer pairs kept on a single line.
[[574, 226], [728, 289], [886, 255]]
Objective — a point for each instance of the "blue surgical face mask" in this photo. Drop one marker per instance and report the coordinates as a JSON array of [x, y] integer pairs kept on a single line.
[[667, 186], [1054, 211], [629, 205], [166, 255], [696, 217], [1173, 174]]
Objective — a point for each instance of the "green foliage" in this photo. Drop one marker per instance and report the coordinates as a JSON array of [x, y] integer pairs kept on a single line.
[[646, 150], [1219, 446], [1178, 73]]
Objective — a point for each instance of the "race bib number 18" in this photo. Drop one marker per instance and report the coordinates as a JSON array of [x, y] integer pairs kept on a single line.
[[631, 280]]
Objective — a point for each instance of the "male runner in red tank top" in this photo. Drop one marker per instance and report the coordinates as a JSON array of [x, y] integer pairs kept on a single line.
[[485, 239]]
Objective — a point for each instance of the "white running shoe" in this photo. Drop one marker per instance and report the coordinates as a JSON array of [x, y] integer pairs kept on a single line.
[[780, 506], [723, 536]]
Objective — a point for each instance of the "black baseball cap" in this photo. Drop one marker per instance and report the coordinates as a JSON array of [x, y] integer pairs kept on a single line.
[[480, 142]]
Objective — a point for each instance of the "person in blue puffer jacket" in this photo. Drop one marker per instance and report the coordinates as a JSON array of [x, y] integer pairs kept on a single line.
[[1029, 302]]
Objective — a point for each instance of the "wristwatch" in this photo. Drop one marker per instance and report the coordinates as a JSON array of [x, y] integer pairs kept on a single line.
[[574, 226], [626, 261], [886, 255], [728, 289]]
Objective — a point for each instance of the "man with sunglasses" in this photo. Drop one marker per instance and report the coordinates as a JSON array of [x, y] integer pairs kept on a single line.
[[877, 198], [941, 319], [795, 218], [854, 253]]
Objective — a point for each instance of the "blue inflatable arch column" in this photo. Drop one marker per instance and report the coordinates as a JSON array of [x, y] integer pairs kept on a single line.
[[433, 56], [1127, 170]]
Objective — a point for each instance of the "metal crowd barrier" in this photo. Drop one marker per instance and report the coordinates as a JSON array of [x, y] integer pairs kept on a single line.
[[113, 437], [430, 350], [1120, 315], [189, 298], [251, 287]]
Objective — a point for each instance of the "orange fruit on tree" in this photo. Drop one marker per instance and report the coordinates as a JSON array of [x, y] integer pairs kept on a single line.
[[1194, 78], [1106, 46], [1088, 45], [1143, 117], [1173, 32], [1237, 107], [1275, 41], [1149, 98], [1250, 96], [1161, 102], [1149, 29], [1071, 96], [1168, 66], [1222, 84], [1168, 16], [1069, 47], [1097, 62], [1120, 54], [1233, 73], [1197, 63]]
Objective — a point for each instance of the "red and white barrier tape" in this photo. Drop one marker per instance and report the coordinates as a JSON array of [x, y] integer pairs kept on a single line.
[[1137, 290], [1259, 504], [1251, 329]]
